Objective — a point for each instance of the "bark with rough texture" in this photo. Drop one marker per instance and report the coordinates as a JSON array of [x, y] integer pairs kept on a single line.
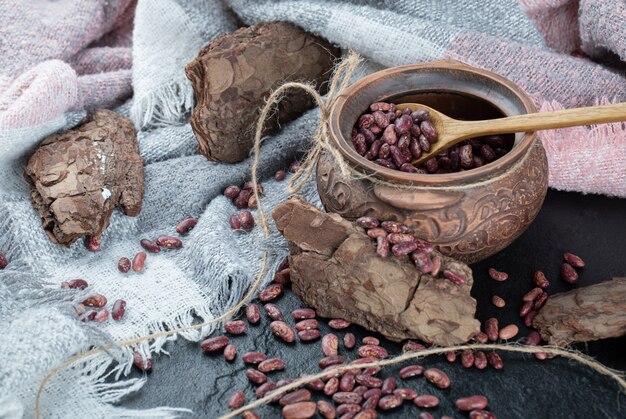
[[78, 176], [335, 269], [584, 314], [233, 75]]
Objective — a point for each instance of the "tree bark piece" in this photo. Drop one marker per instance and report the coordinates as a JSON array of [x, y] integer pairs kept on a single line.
[[584, 314], [335, 269], [233, 75], [78, 176]]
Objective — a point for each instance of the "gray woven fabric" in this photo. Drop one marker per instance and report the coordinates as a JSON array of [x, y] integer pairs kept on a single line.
[[216, 265]]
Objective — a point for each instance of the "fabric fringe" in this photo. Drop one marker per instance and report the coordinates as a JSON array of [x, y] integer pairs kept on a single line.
[[167, 105]]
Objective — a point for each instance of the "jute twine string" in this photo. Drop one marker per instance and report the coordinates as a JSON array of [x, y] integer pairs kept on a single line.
[[551, 350], [339, 82]]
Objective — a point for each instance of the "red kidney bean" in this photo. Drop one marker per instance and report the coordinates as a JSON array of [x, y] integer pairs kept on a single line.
[[123, 265], [540, 301], [249, 414], [264, 389], [331, 387], [426, 400], [283, 331], [271, 292], [411, 371], [454, 277], [372, 392], [376, 232], [360, 389], [411, 346], [508, 332], [331, 360], [169, 242], [467, 358], [366, 360], [297, 396], [253, 357], [235, 224], [253, 314], [306, 325], [437, 377], [533, 339], [3, 260], [574, 260], [372, 351], [186, 225], [96, 300], [140, 363], [405, 393], [301, 410], [235, 327], [494, 360], [102, 316], [540, 280], [246, 220], [280, 175], [402, 249], [346, 383], [150, 246], [498, 301], [541, 356], [214, 344], [349, 341], [389, 402], [274, 312], [119, 309], [330, 344], [348, 410], [367, 222], [396, 238], [367, 413], [471, 403], [425, 415], [532, 294], [230, 352], [271, 364], [326, 409], [241, 201], [528, 318], [368, 381], [371, 370], [257, 377], [480, 360], [347, 397], [338, 324], [568, 273], [138, 261], [232, 191], [526, 307], [303, 313], [236, 400], [491, 328], [92, 243], [80, 284], [451, 356], [283, 277], [481, 337], [309, 335], [481, 414], [382, 247], [497, 275], [389, 385], [370, 340]]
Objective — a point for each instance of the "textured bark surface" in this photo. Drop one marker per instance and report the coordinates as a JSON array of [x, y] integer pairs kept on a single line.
[[335, 269], [233, 75], [79, 176], [584, 314]]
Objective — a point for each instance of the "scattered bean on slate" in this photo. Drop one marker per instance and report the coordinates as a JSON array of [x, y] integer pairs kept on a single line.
[[497, 275], [214, 344], [574, 260], [569, 274], [498, 301], [426, 400], [330, 344], [235, 327], [230, 352], [338, 324], [236, 400], [437, 377], [253, 313], [349, 341], [540, 280], [477, 402]]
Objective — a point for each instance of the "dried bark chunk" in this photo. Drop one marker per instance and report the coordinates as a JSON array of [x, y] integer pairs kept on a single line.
[[584, 314], [233, 75], [335, 269], [78, 176]]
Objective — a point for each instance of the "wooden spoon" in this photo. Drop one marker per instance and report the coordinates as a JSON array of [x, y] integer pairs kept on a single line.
[[452, 131]]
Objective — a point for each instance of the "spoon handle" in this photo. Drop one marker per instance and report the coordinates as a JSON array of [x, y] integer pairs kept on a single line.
[[541, 120]]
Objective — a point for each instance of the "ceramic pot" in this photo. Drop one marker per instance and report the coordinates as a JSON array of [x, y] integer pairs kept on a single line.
[[468, 215]]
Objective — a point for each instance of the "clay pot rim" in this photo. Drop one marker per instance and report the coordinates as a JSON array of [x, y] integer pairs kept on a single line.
[[360, 163]]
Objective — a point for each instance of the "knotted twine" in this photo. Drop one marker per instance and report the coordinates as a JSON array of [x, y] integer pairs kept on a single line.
[[321, 143]]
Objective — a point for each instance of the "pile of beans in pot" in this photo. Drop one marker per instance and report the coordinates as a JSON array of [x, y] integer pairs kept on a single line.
[[393, 138]]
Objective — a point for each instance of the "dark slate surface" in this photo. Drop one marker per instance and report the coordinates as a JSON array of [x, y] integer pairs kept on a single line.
[[593, 227]]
